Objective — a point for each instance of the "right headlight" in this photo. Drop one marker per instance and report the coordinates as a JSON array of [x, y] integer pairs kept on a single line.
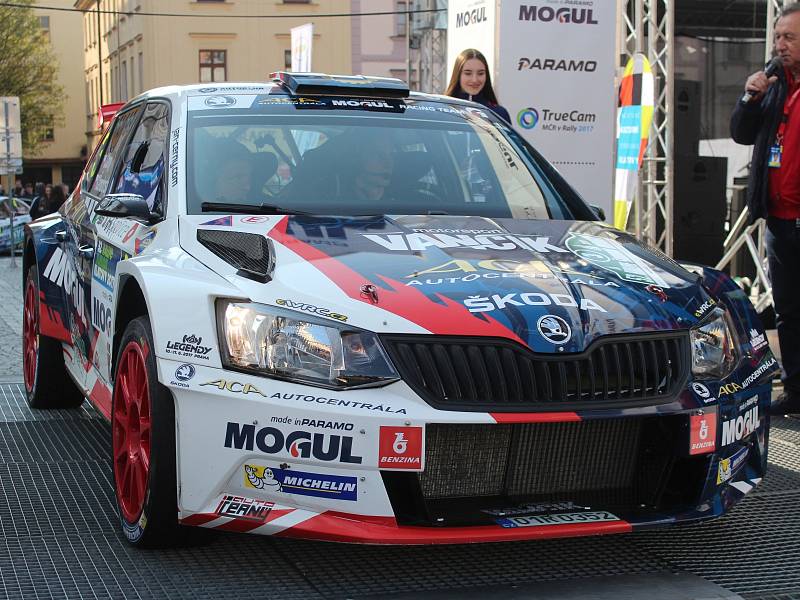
[[281, 343], [714, 343]]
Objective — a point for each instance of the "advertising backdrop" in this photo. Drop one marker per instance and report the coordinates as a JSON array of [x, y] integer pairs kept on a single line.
[[470, 24], [556, 78]]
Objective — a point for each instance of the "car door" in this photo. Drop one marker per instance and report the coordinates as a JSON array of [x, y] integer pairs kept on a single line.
[[141, 169], [78, 240]]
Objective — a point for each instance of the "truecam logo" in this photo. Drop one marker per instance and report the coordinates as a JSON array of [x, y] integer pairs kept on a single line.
[[528, 118]]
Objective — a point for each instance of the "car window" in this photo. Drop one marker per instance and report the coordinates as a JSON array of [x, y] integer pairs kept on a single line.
[[94, 162], [118, 136], [145, 157], [349, 162]]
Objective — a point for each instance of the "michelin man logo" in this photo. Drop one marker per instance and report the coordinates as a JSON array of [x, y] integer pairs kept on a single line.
[[260, 478]]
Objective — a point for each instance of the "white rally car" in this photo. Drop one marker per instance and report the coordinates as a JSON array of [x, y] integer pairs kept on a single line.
[[325, 307]]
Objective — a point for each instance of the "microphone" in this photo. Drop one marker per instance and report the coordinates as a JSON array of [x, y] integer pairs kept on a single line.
[[770, 69]]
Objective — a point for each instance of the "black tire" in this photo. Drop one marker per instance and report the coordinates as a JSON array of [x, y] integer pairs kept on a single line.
[[149, 519], [47, 382]]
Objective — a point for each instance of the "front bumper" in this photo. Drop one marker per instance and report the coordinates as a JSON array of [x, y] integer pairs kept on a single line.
[[269, 457]]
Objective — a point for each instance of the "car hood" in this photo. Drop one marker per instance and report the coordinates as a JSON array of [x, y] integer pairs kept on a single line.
[[552, 285]]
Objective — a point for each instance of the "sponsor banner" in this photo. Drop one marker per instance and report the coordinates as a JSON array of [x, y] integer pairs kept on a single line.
[[400, 448], [471, 24], [317, 485], [573, 518], [703, 433], [555, 73]]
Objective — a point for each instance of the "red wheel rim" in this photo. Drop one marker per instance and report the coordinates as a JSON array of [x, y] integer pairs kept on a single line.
[[131, 432], [30, 336]]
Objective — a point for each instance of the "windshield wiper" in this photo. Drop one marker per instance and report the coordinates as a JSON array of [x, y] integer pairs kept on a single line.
[[264, 209]]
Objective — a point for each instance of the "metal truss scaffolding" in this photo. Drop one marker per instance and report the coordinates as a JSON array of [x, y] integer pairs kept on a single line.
[[429, 39], [648, 27]]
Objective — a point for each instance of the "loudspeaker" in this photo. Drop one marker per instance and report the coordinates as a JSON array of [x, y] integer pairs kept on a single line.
[[686, 114], [699, 208]]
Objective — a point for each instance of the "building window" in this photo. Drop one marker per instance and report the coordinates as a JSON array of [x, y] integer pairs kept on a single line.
[[141, 72], [123, 81], [49, 132], [400, 18], [297, 1], [213, 65], [287, 59], [44, 25]]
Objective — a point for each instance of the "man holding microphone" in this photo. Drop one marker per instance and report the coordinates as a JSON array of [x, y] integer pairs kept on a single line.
[[768, 116]]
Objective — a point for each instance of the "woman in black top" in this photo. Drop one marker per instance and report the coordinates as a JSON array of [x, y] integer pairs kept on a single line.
[[471, 81]]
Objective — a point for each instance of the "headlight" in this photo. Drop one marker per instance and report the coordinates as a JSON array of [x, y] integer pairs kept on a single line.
[[285, 344], [714, 347]]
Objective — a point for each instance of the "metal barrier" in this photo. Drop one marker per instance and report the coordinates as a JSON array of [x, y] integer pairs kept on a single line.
[[753, 239]]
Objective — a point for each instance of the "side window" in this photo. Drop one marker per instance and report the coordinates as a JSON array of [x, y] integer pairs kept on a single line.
[[145, 158], [91, 168], [119, 135]]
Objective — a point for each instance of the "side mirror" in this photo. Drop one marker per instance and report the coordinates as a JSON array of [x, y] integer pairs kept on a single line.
[[131, 206], [601, 214]]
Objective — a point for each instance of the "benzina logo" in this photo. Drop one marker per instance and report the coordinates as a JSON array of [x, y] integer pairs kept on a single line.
[[400, 448], [703, 433], [551, 64], [298, 444], [548, 14]]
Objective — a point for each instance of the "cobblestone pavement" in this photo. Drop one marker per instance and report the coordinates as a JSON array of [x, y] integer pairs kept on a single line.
[[10, 320]]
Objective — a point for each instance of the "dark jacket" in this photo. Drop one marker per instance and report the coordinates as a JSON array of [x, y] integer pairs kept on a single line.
[[757, 123], [481, 99]]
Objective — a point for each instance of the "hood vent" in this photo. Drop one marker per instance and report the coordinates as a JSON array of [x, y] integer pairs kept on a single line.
[[250, 253]]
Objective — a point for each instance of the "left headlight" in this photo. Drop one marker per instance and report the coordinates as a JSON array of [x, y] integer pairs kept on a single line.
[[288, 345], [714, 343]]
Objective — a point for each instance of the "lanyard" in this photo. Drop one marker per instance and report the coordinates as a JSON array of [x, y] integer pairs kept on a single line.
[[787, 109]]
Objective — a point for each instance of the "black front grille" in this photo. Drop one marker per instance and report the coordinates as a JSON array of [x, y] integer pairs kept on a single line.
[[472, 472], [250, 253], [496, 375]]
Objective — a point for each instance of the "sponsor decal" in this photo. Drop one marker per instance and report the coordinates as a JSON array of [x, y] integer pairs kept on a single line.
[[102, 317], [471, 17], [235, 387], [61, 271], [400, 448], [549, 14], [220, 101], [142, 243], [298, 444], [610, 255], [317, 485], [130, 233], [554, 329], [757, 340], [509, 274], [528, 117], [704, 307], [320, 423], [104, 267], [240, 507], [729, 388], [385, 408], [477, 304], [733, 430], [702, 390], [532, 508], [300, 101], [183, 373], [728, 466], [221, 222], [703, 433], [411, 242], [758, 372], [254, 219], [317, 310], [536, 269], [173, 157], [556, 64], [598, 516], [361, 104], [190, 345]]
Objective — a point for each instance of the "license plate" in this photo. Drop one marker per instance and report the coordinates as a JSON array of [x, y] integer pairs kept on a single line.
[[558, 519]]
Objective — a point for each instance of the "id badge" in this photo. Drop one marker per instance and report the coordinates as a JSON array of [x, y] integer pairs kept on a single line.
[[775, 154]]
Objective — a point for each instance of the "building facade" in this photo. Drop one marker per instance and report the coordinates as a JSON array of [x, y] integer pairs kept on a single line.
[[127, 52], [64, 151]]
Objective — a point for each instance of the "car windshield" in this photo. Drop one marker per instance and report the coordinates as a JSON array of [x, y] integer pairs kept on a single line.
[[361, 157]]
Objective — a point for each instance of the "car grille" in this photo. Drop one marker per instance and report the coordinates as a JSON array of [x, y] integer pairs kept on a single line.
[[496, 375], [250, 253], [626, 464]]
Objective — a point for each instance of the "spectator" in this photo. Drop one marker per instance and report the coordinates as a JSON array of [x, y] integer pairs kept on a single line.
[[27, 191], [471, 81], [18, 188], [46, 204]]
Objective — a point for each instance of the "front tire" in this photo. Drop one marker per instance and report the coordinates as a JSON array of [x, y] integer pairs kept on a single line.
[[47, 383], [143, 443]]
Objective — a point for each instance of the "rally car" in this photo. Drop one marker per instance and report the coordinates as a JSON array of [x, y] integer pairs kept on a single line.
[[326, 307]]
